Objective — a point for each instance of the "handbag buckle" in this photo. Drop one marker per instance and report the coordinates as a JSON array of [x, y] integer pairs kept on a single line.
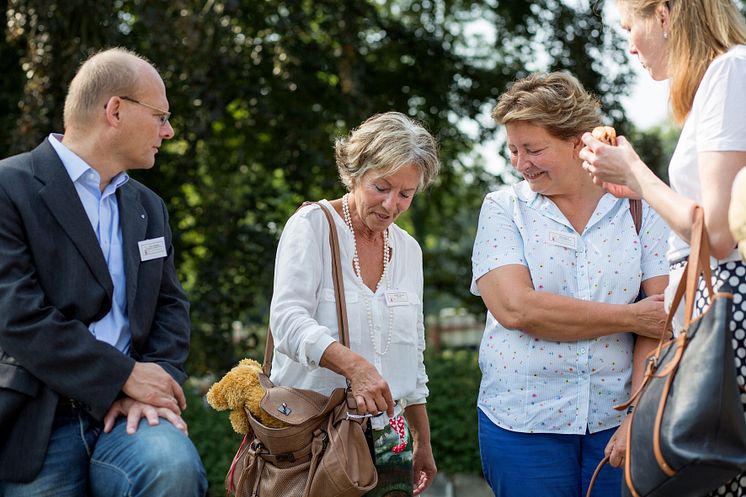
[[652, 363], [284, 409]]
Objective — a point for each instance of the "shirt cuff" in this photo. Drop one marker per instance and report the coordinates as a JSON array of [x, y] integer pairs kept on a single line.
[[315, 350]]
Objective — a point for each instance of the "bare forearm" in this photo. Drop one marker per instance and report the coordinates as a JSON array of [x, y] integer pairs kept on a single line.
[[643, 348], [556, 317], [674, 208], [509, 294], [419, 424], [717, 172], [370, 390], [342, 360]]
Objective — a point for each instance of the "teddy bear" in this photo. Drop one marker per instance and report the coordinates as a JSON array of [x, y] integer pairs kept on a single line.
[[737, 212], [239, 390]]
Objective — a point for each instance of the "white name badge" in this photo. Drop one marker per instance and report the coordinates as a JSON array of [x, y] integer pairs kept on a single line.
[[154, 248], [395, 298], [563, 240]]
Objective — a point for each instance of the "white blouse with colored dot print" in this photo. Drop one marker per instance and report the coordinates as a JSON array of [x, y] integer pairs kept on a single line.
[[535, 385]]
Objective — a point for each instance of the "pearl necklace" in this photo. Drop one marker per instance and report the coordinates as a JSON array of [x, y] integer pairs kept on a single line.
[[384, 280]]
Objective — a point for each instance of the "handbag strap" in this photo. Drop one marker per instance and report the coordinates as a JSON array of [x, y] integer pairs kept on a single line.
[[635, 208], [339, 293], [697, 263], [600, 466]]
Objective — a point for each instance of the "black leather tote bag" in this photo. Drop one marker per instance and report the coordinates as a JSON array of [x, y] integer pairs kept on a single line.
[[688, 433]]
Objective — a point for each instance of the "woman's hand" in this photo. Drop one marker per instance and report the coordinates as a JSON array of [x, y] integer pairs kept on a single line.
[[424, 469], [134, 411], [649, 316], [619, 191], [612, 167], [423, 464], [370, 390], [616, 449]]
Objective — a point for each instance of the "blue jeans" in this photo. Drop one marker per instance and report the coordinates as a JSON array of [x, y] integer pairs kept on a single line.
[[545, 464], [84, 461]]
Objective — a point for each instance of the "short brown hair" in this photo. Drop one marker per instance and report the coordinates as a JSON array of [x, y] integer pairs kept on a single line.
[[108, 73], [555, 101], [387, 142]]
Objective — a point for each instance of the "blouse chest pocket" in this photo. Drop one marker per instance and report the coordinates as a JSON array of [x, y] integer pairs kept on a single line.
[[327, 313], [405, 315]]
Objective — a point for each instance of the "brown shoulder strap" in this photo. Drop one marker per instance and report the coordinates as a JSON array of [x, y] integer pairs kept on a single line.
[[635, 208], [339, 293], [600, 466]]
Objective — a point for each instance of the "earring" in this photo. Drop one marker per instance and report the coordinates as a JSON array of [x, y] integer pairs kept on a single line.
[[665, 35]]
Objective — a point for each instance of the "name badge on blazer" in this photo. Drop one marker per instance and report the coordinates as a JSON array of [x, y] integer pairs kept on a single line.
[[154, 248]]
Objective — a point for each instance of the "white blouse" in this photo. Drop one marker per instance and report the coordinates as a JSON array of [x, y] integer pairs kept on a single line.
[[303, 315], [715, 123], [533, 385]]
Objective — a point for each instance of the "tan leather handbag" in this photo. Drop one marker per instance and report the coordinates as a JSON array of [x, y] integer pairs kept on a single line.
[[322, 451]]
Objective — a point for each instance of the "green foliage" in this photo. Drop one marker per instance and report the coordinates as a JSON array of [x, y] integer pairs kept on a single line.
[[656, 146], [259, 90], [11, 86], [452, 408], [214, 438]]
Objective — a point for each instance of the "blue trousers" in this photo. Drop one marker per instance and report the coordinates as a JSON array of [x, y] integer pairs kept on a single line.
[[83, 461], [544, 464]]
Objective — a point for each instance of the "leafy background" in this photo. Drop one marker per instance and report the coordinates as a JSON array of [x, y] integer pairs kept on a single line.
[[260, 89]]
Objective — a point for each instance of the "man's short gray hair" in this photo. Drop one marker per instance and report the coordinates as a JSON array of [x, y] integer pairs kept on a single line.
[[108, 73]]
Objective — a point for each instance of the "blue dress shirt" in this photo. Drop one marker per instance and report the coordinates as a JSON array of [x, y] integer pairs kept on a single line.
[[103, 213]]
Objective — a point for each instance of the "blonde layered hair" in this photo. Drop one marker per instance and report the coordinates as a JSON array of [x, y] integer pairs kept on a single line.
[[556, 101], [700, 30], [385, 143], [108, 73]]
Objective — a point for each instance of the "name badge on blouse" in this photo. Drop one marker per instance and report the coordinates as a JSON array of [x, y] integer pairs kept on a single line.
[[395, 298], [152, 249], [563, 240]]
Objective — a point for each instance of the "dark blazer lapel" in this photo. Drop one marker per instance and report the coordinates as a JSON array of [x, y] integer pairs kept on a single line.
[[59, 194], [134, 222]]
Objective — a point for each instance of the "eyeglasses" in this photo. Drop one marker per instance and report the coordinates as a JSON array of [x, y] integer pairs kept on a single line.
[[163, 115]]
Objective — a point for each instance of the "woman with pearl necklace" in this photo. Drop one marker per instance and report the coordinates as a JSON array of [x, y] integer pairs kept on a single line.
[[383, 164]]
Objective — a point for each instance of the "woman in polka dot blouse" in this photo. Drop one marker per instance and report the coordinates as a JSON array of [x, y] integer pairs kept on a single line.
[[559, 263]]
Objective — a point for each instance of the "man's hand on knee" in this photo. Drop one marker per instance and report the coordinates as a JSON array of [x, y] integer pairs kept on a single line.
[[151, 384], [135, 411]]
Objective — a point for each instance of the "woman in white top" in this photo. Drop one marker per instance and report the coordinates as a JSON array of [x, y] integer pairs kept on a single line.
[[700, 45], [383, 164], [559, 264]]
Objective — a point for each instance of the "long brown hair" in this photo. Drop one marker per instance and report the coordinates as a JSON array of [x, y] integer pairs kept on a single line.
[[700, 30]]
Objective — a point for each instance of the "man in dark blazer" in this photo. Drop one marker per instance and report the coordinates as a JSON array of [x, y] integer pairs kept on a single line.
[[94, 325]]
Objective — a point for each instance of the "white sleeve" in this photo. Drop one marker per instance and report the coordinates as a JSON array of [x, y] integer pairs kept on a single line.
[[498, 241], [297, 285], [721, 105], [419, 396]]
